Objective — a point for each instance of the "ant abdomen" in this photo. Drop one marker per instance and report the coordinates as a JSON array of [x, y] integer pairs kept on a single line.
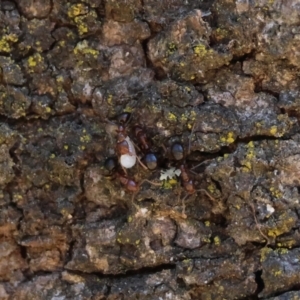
[[177, 151], [111, 164], [150, 160], [129, 184]]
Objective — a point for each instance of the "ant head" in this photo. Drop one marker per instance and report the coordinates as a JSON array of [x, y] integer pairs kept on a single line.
[[120, 129], [121, 136], [124, 118], [137, 130]]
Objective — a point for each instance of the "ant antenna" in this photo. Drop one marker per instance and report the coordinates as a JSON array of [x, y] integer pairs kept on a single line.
[[258, 225], [190, 137]]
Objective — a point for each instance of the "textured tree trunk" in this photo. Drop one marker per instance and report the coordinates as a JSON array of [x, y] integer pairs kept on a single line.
[[211, 208]]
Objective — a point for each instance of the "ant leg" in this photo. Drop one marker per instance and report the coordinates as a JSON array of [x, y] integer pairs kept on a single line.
[[133, 202], [164, 148], [203, 162], [124, 169], [140, 162], [190, 137], [136, 146], [153, 183], [207, 194], [183, 204]]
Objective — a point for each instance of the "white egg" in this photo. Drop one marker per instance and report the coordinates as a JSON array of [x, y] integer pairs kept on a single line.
[[128, 160]]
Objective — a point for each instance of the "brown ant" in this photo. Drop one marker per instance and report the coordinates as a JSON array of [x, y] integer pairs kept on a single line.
[[142, 138], [129, 184], [177, 151], [186, 181], [150, 159], [112, 166], [125, 147]]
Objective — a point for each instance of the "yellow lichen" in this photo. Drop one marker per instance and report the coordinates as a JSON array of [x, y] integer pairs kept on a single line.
[[275, 192], [220, 33], [217, 240], [183, 118], [282, 251], [83, 48], [286, 244], [237, 206], [128, 109], [109, 99], [273, 130], [229, 139], [206, 240], [250, 144], [85, 138], [171, 48], [34, 60], [168, 184], [66, 147], [193, 115], [264, 252], [207, 223], [77, 9], [250, 154], [200, 50], [171, 117], [81, 25], [211, 188], [283, 226], [59, 79], [31, 62], [5, 42], [278, 273]]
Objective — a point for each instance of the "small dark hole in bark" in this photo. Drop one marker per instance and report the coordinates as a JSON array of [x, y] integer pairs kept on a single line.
[[259, 281]]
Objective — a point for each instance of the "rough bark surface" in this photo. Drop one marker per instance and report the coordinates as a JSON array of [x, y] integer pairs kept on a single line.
[[219, 77]]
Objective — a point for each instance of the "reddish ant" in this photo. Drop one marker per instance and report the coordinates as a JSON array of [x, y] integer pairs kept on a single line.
[[150, 159], [125, 147], [129, 184], [187, 182], [142, 138], [178, 154]]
